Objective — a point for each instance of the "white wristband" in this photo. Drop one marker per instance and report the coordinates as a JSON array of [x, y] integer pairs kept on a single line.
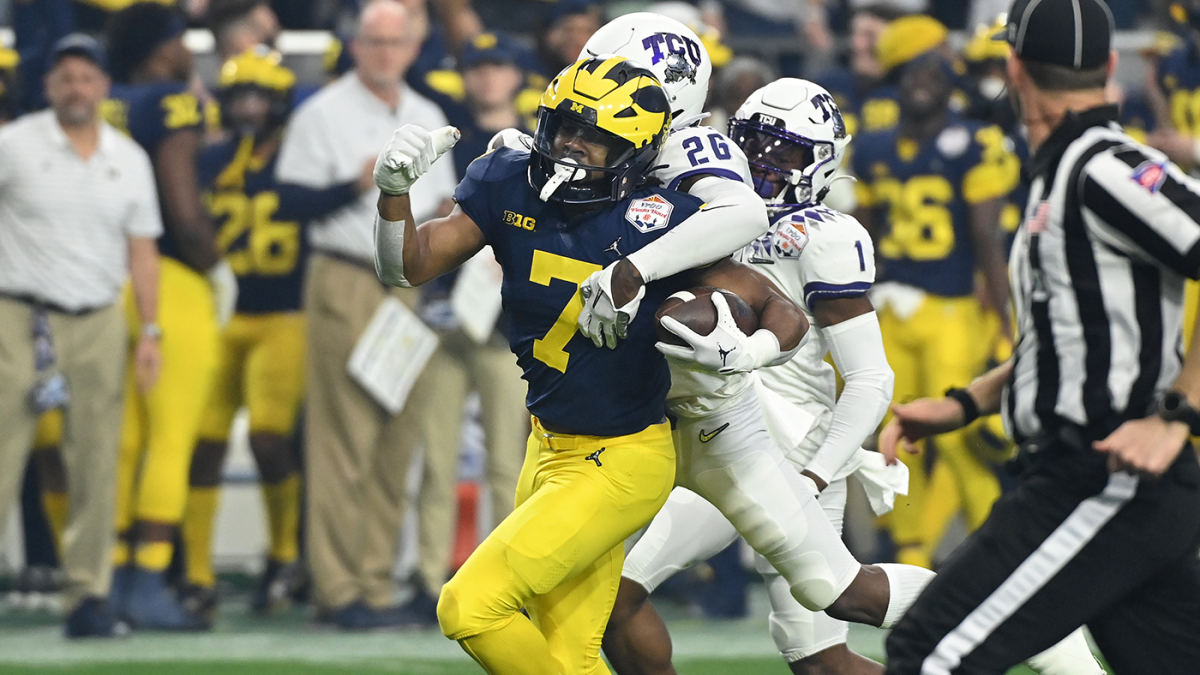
[[389, 251]]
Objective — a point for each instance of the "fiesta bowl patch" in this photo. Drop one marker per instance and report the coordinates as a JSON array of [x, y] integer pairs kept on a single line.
[[649, 214], [1151, 175]]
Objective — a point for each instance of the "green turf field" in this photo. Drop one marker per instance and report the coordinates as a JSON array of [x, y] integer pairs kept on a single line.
[[289, 644]]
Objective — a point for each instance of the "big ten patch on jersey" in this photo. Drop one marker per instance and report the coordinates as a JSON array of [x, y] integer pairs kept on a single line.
[[695, 151], [262, 242], [149, 112], [546, 251], [1179, 78], [921, 195]]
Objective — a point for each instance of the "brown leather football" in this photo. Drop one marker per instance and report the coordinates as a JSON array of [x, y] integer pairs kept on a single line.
[[700, 315]]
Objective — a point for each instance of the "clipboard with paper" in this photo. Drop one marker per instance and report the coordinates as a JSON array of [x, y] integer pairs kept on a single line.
[[391, 353], [476, 300]]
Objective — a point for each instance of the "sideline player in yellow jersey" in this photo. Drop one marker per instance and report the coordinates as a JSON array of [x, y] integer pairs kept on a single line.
[[262, 350], [931, 194], [600, 461], [151, 68]]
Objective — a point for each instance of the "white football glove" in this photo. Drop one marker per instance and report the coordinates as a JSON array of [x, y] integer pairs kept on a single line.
[[726, 350], [511, 138], [408, 156], [225, 291], [600, 319]]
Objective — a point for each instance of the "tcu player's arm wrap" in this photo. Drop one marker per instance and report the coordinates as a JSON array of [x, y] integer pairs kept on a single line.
[[857, 348], [732, 216], [407, 255]]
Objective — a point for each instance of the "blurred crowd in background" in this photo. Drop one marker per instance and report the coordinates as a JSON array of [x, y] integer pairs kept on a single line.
[[261, 170]]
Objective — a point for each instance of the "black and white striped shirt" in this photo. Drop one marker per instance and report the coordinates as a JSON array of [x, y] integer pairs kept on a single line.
[[1111, 230]]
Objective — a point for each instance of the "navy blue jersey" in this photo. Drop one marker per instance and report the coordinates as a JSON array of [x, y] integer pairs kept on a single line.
[[1014, 204], [921, 196], [1179, 78], [574, 387], [259, 223], [149, 113]]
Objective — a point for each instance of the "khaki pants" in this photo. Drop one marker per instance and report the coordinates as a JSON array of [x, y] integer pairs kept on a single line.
[[357, 454], [91, 355], [458, 367]]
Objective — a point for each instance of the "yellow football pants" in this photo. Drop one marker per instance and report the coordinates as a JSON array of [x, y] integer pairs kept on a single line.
[[160, 427], [261, 367], [559, 553], [942, 345]]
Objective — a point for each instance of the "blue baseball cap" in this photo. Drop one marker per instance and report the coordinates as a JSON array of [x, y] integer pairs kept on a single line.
[[491, 48], [81, 45]]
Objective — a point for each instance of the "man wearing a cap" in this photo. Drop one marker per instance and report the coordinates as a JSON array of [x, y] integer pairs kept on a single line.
[[78, 215], [1104, 526]]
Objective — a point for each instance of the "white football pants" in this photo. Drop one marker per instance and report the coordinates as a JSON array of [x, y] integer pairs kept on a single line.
[[746, 486]]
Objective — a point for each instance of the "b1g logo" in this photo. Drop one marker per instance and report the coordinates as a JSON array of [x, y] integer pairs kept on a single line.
[[682, 55]]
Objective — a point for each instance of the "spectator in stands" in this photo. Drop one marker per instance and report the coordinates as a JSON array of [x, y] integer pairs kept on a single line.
[[566, 27], [852, 84], [491, 76], [238, 25], [733, 85], [357, 454], [463, 364], [78, 216]]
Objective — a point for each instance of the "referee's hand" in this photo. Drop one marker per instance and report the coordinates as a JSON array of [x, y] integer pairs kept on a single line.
[[913, 421], [1149, 445]]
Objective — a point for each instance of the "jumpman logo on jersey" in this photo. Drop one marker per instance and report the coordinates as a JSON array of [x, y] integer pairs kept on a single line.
[[725, 354], [595, 456], [614, 247]]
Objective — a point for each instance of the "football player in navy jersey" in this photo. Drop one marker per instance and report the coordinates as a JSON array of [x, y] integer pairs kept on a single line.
[[931, 192], [262, 349], [152, 102], [600, 461]]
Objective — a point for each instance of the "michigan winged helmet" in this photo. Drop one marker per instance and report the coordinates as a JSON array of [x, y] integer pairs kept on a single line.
[[258, 71], [607, 101]]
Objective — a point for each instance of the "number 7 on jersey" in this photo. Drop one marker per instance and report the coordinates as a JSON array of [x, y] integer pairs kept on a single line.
[[551, 349]]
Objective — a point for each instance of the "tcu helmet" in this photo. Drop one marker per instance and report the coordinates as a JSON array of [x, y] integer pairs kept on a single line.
[[793, 131], [608, 101], [670, 49]]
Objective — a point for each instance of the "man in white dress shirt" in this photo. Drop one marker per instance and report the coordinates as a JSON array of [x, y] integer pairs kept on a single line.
[[357, 453], [78, 216]]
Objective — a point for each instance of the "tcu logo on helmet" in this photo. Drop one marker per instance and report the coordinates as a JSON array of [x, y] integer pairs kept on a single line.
[[673, 47]]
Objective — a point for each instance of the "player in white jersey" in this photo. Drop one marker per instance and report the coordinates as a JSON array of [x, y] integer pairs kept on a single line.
[[695, 159], [823, 260]]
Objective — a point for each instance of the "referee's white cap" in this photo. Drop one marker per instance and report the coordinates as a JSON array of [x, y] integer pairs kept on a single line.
[[1072, 33]]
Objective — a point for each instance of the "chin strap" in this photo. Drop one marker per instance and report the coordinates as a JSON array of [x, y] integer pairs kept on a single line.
[[563, 173]]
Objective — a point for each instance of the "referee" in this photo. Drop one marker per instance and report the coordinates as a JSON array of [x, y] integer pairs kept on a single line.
[[1104, 526]]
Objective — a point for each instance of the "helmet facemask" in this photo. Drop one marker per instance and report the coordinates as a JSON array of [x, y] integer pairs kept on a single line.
[[601, 125], [788, 160]]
